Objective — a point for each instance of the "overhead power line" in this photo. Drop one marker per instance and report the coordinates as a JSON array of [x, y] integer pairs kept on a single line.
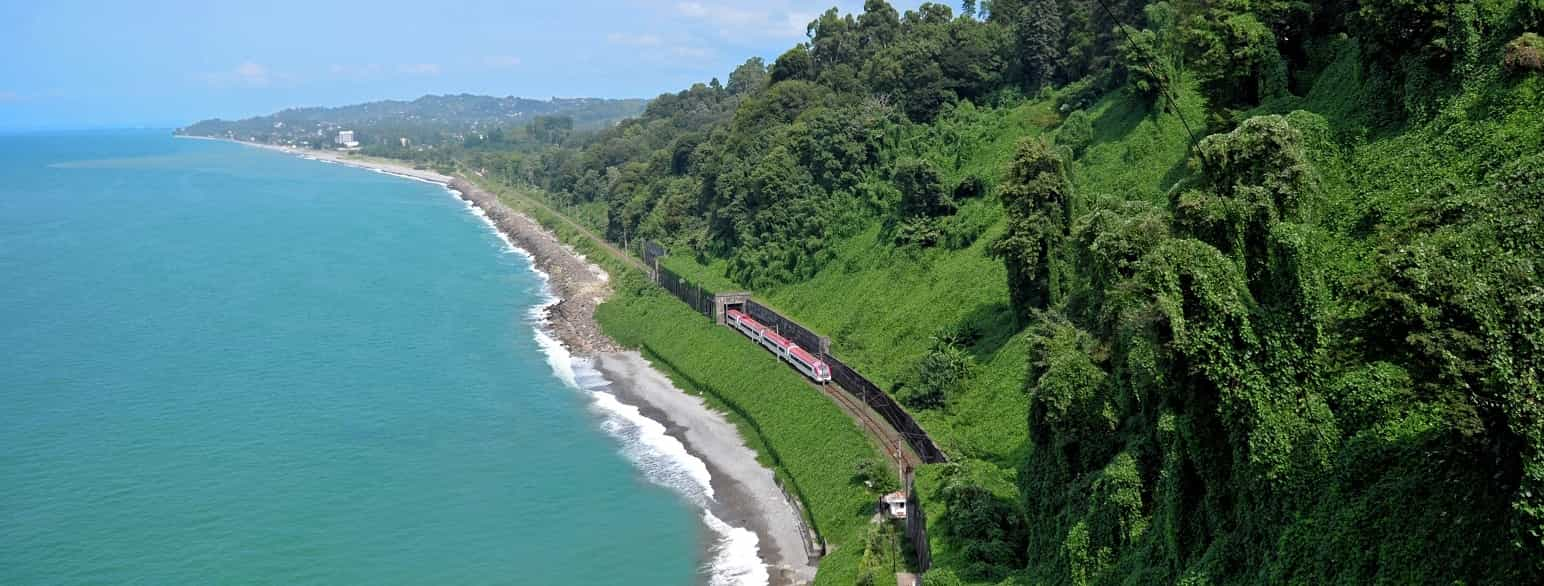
[[1163, 85]]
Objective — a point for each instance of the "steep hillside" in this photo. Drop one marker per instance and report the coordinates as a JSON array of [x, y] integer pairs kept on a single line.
[[1245, 292]]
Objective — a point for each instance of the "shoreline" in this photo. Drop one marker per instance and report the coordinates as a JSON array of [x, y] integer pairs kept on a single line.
[[746, 493]]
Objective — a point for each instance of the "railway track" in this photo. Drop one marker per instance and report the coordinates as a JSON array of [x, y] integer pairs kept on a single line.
[[890, 441], [886, 438]]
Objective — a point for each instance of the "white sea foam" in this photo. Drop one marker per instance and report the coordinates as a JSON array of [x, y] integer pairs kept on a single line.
[[663, 459], [509, 245], [406, 176]]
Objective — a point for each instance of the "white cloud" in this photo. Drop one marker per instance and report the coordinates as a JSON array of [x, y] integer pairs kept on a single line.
[[633, 40], [246, 74], [419, 68], [501, 61], [722, 15], [735, 18], [692, 52], [358, 72]]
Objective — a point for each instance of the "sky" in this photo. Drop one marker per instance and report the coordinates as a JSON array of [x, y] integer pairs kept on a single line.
[[71, 64]]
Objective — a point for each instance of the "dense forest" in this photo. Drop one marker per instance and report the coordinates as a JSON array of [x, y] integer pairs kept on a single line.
[[1192, 291]]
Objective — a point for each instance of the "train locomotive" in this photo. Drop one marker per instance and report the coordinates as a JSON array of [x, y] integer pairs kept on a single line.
[[801, 359]]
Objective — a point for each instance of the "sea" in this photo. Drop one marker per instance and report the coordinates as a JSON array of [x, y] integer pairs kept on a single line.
[[221, 364]]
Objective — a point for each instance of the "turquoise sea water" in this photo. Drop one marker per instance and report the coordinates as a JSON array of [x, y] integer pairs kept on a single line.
[[225, 365]]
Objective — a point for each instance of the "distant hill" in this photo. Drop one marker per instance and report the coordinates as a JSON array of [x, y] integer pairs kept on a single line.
[[427, 120]]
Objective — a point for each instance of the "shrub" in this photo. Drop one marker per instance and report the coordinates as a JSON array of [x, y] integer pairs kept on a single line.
[[922, 190], [1076, 133], [971, 187], [1079, 94], [945, 368], [1525, 53]]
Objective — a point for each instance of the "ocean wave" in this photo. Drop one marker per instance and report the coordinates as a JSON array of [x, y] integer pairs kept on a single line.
[[406, 176], [663, 459]]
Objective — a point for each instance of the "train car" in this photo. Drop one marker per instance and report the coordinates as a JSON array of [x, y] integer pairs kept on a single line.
[[776, 343], [745, 324], [808, 364], [801, 359]]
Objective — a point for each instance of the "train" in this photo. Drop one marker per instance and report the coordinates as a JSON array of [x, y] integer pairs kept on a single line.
[[802, 361]]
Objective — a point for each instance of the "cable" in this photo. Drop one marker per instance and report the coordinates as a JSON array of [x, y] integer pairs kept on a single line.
[[1163, 87]]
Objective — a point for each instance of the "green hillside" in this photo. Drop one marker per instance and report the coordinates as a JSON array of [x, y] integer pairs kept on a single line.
[[1247, 292]]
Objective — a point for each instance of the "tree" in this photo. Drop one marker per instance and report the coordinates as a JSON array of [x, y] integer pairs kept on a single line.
[[989, 528], [1234, 55], [1039, 27], [910, 71], [975, 57], [834, 39], [1035, 195], [749, 77], [929, 13], [922, 190], [1076, 132], [1251, 179], [943, 370], [878, 26], [1395, 29], [796, 63], [1455, 295]]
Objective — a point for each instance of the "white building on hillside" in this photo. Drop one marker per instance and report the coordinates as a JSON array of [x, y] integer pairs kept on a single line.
[[346, 140]]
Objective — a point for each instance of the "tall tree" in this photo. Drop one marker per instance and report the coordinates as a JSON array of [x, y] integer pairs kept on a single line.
[[1039, 28], [1035, 198], [749, 77], [878, 26]]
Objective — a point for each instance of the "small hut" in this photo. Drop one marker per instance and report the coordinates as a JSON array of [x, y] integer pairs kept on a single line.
[[893, 505]]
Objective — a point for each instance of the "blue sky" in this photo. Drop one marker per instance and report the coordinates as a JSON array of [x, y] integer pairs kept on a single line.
[[73, 64]]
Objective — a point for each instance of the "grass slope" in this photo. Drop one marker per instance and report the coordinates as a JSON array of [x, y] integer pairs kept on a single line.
[[811, 445], [880, 304]]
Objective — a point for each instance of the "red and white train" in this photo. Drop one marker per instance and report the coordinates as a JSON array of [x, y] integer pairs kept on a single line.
[[801, 359]]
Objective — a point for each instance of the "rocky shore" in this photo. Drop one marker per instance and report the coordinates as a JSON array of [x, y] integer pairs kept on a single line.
[[580, 285]]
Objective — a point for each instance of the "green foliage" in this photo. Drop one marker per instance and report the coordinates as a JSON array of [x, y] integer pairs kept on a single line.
[[1076, 132], [942, 371], [1524, 54], [923, 200], [1250, 180], [1302, 350], [1456, 297], [989, 529], [875, 476], [750, 77], [1035, 197], [1393, 29], [1234, 56], [922, 190], [881, 555], [1040, 42], [813, 446], [796, 64]]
